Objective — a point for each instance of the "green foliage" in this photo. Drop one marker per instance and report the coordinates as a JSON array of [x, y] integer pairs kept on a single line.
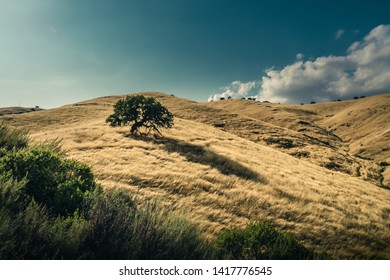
[[260, 240], [140, 111], [11, 196], [119, 230], [12, 138], [58, 183], [111, 228], [28, 231]]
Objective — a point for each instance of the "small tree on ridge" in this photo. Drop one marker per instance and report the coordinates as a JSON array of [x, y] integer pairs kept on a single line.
[[140, 111]]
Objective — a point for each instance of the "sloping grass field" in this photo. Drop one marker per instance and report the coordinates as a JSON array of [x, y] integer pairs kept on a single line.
[[217, 168]]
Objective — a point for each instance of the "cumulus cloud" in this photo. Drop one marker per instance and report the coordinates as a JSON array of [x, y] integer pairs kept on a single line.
[[236, 89], [299, 56], [365, 69], [339, 33]]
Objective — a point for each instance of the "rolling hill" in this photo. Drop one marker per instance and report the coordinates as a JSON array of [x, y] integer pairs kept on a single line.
[[319, 171], [17, 110], [349, 136]]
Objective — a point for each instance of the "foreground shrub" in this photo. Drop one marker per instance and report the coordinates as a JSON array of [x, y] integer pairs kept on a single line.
[[58, 183], [119, 230], [113, 228], [29, 231], [260, 240]]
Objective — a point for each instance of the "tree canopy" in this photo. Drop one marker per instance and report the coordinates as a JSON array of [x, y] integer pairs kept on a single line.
[[140, 112]]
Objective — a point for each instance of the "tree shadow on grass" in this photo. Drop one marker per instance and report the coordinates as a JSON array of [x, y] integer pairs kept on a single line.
[[202, 155]]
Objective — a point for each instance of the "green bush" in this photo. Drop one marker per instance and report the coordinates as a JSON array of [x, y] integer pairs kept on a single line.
[[29, 231], [10, 194], [260, 240], [58, 183], [109, 226], [112, 228], [119, 230]]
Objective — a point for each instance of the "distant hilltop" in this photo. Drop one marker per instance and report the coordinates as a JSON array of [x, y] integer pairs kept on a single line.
[[18, 110]]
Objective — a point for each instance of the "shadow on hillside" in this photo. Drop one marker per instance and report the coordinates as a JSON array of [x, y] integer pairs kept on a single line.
[[202, 155]]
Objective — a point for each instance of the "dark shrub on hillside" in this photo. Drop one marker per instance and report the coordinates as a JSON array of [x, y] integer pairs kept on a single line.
[[119, 230], [112, 228], [58, 183], [260, 240], [28, 231]]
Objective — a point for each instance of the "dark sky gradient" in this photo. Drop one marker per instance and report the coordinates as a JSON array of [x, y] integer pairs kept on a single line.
[[57, 52]]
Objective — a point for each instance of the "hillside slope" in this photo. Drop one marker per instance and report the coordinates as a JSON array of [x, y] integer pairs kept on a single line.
[[17, 110], [349, 136], [219, 179]]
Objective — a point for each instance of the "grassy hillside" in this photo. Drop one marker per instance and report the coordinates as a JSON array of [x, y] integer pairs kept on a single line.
[[226, 163], [348, 136], [17, 110]]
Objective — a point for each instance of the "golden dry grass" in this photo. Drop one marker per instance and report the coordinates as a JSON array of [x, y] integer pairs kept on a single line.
[[219, 179], [17, 110], [349, 136]]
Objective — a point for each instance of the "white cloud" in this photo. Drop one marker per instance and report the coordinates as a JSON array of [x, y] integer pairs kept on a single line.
[[365, 69], [299, 56], [339, 33], [236, 89]]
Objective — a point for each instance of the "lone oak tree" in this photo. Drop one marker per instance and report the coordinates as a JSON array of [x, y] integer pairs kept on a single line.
[[140, 111]]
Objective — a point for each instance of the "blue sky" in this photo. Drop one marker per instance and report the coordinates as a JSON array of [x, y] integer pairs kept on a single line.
[[58, 52]]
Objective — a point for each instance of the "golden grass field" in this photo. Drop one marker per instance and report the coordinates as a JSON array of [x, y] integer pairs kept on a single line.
[[313, 170]]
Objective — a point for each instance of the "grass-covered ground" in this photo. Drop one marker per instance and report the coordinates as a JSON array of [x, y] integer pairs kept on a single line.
[[221, 177], [52, 208]]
